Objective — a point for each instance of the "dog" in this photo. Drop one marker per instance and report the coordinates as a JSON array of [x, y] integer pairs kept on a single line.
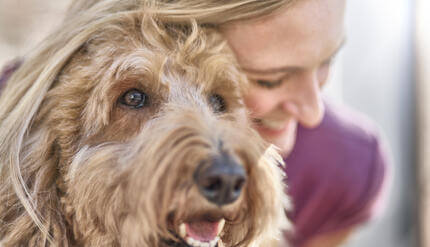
[[123, 129]]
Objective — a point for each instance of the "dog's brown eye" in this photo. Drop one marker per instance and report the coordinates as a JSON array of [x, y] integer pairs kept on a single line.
[[134, 98], [218, 103]]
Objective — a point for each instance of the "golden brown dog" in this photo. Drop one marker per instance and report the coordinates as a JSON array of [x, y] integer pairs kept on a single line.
[[122, 129]]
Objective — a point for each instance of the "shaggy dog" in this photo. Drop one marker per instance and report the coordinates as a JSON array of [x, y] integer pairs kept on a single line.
[[122, 129]]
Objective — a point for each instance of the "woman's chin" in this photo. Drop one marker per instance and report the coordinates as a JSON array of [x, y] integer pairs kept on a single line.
[[283, 140], [285, 146]]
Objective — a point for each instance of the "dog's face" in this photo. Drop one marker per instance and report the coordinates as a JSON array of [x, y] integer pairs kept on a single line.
[[152, 145]]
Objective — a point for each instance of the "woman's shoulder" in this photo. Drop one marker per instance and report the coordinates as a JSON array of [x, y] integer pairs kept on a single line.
[[345, 140], [338, 169], [345, 125], [344, 154]]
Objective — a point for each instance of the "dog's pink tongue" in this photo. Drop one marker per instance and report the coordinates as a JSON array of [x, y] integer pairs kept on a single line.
[[204, 231]]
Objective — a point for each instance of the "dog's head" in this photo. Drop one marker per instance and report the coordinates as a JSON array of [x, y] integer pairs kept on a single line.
[[127, 130]]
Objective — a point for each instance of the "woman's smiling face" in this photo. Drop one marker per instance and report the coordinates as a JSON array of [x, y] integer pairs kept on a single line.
[[287, 57]]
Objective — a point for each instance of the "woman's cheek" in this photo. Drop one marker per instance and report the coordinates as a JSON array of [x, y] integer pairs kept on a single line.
[[259, 103]]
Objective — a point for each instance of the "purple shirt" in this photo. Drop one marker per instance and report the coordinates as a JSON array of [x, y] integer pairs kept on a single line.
[[336, 175]]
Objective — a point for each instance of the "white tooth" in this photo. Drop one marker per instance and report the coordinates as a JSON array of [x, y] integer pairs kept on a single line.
[[182, 230], [197, 243], [204, 244], [190, 241], [220, 226]]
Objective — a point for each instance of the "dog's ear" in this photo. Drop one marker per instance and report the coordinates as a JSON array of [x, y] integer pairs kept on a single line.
[[26, 193], [29, 209], [277, 201]]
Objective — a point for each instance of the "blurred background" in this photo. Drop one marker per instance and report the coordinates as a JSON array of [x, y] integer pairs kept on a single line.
[[379, 73], [376, 74], [382, 72]]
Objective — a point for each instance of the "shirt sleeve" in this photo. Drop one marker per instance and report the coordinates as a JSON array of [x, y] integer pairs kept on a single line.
[[374, 194]]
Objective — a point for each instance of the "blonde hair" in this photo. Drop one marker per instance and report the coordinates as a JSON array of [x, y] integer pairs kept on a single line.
[[27, 87], [208, 12]]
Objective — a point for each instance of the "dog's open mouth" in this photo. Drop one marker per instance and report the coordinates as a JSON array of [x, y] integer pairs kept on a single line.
[[201, 233]]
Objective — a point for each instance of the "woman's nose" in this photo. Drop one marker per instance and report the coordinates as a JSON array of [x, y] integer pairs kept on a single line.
[[305, 100]]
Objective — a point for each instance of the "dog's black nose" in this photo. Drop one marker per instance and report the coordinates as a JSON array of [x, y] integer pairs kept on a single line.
[[221, 180]]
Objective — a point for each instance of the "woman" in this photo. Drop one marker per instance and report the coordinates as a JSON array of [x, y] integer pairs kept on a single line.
[[337, 169]]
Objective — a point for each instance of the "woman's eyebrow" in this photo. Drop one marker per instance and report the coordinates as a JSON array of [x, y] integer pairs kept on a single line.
[[289, 69]]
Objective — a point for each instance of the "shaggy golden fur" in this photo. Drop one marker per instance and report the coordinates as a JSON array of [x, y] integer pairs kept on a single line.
[[79, 167]]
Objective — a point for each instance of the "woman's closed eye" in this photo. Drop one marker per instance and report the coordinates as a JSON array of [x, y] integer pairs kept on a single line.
[[268, 84]]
